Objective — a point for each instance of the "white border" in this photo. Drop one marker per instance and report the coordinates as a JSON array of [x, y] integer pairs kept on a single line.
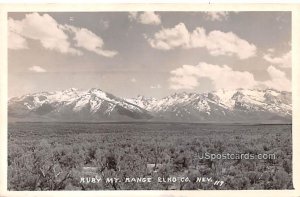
[[294, 8]]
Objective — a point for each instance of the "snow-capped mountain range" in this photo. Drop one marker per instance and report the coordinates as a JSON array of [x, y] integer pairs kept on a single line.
[[95, 105]]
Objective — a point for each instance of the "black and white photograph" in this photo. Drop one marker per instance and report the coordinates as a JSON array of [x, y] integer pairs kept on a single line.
[[149, 100]]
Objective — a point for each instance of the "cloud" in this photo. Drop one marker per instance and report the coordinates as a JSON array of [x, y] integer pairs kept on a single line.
[[147, 18], [133, 80], [158, 86], [284, 61], [37, 69], [278, 79], [16, 42], [53, 36], [104, 23], [223, 77], [88, 40], [42, 28], [168, 39], [216, 16], [216, 42]]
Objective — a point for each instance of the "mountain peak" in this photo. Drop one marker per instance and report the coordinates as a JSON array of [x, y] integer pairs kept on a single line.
[[245, 105], [94, 89], [70, 90]]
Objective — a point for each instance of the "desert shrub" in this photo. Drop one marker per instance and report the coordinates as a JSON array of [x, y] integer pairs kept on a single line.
[[280, 179], [287, 165], [47, 161]]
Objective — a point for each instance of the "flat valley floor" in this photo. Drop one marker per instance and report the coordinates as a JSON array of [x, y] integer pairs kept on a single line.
[[121, 156]]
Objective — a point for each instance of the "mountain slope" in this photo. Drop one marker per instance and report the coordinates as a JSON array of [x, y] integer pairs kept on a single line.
[[74, 105], [242, 105], [222, 106]]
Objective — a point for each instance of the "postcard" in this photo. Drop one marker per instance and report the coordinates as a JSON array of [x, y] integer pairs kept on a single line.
[[145, 99]]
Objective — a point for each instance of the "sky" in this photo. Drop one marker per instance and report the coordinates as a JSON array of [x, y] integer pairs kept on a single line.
[[153, 54]]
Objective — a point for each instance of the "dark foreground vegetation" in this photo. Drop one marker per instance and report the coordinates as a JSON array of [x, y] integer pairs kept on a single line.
[[55, 156]]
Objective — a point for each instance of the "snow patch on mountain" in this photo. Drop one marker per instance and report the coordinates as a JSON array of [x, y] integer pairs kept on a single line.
[[220, 105]]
